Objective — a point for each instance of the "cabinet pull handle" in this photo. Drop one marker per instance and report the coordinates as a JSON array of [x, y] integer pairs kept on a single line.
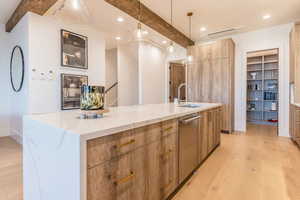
[[124, 144], [168, 129], [166, 186], [125, 179], [163, 155]]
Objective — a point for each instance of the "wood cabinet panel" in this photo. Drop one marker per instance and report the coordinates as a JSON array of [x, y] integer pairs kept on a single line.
[[210, 131], [294, 123], [297, 115], [211, 78], [168, 175], [106, 148], [169, 127], [120, 179], [203, 136], [147, 169], [295, 60], [297, 130]]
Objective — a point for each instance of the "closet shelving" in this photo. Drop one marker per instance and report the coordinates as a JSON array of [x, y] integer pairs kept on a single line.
[[262, 87]]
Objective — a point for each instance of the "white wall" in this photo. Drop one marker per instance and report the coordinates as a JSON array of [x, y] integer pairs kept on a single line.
[[275, 37], [4, 82], [19, 101], [151, 74], [111, 71], [128, 74], [45, 48], [39, 37]]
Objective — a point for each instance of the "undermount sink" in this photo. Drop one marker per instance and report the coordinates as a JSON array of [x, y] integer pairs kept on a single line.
[[190, 105]]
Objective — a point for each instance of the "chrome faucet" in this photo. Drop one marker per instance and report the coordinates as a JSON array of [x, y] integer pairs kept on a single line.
[[179, 91]]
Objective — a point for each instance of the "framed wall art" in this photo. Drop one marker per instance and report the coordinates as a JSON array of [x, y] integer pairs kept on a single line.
[[71, 90], [74, 50]]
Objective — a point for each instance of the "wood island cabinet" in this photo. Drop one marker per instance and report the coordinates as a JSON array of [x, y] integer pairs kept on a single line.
[[142, 164], [209, 132]]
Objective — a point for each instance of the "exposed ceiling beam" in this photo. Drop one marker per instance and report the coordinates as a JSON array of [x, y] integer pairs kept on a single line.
[[36, 6], [151, 19]]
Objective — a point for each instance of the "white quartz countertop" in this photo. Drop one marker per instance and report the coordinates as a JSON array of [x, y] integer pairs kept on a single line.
[[118, 119]]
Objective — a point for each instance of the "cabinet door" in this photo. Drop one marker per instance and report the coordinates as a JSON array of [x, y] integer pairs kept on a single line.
[[120, 179], [168, 165], [210, 131], [162, 167], [203, 136], [292, 121], [218, 127]]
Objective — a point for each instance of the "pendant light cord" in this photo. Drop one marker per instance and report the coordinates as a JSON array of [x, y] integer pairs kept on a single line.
[[190, 26], [172, 12]]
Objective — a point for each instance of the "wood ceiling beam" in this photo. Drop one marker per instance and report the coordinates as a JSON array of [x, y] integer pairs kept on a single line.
[[36, 6], [151, 19]]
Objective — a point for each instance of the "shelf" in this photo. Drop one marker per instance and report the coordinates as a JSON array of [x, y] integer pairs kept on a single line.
[[270, 61], [275, 91], [270, 100], [271, 79], [255, 100], [254, 111], [272, 69], [255, 70], [255, 63], [254, 80], [270, 111]]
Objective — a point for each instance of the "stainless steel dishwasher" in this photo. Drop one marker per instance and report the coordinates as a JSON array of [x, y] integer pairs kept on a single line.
[[188, 145]]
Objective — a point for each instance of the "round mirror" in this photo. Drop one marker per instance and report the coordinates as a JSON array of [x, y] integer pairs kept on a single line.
[[17, 68]]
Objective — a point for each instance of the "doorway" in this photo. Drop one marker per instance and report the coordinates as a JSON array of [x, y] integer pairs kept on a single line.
[[177, 77], [262, 87]]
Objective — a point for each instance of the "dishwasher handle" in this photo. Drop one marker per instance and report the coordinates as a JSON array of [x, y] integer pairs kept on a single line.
[[186, 121]]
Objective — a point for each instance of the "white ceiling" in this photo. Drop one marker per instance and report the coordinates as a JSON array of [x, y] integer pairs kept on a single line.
[[215, 15], [7, 7], [103, 16]]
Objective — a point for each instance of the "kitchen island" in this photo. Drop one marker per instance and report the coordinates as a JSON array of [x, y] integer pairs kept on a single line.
[[132, 153]]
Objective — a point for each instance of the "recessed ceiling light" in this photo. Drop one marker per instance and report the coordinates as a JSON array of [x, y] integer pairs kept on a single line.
[[145, 32], [120, 19], [118, 38], [164, 42], [76, 4], [203, 29], [267, 16]]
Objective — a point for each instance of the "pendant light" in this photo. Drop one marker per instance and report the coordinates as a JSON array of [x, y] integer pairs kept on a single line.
[[139, 32], [190, 14], [171, 47]]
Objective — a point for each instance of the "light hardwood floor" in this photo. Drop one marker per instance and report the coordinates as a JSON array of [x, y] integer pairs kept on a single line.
[[10, 170], [252, 166]]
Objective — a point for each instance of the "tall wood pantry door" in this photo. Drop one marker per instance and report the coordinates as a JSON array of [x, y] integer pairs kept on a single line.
[[177, 77]]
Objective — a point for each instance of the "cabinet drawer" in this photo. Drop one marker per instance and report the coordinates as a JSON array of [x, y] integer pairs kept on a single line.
[[103, 149], [296, 133], [169, 127], [297, 115], [119, 179]]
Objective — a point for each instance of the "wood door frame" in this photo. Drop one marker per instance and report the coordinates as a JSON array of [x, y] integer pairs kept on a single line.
[[281, 64], [169, 78]]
